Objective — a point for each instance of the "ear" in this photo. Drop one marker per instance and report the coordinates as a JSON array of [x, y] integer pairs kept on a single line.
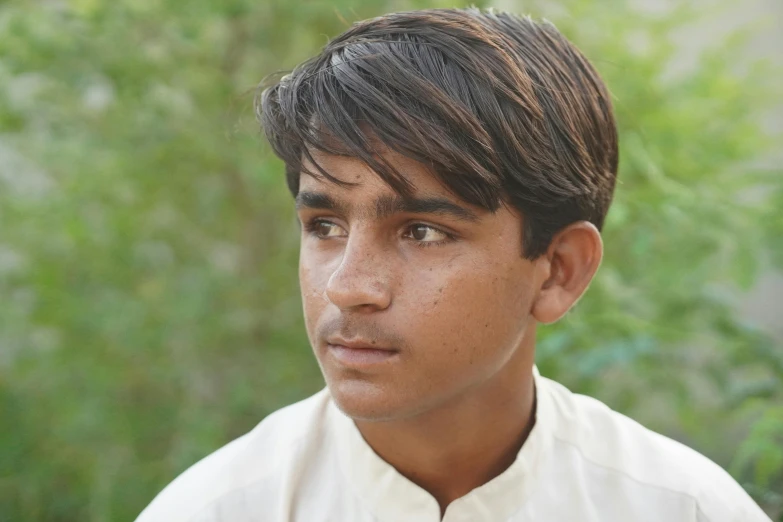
[[566, 269]]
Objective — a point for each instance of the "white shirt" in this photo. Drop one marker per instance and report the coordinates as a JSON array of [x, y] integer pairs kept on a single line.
[[582, 462]]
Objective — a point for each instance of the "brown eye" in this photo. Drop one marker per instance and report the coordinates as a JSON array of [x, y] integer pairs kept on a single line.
[[324, 229], [419, 232], [426, 234]]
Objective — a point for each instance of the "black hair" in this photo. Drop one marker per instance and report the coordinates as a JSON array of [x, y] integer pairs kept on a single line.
[[503, 109]]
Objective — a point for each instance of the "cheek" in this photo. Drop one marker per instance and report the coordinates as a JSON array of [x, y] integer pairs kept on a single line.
[[312, 282], [475, 313], [315, 268]]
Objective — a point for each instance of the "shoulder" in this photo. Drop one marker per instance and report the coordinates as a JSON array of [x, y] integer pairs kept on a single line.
[[254, 457], [647, 464]]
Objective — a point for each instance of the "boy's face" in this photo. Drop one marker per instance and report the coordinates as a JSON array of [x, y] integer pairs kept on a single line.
[[409, 303]]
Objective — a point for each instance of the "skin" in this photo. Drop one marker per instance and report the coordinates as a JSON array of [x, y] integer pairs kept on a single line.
[[443, 287]]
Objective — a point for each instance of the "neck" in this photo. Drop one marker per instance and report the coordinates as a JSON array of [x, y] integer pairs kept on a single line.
[[466, 442]]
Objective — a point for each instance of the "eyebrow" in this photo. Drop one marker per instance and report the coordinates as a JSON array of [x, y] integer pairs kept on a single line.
[[386, 206], [317, 201]]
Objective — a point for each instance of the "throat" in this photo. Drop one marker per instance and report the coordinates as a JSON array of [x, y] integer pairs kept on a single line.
[[449, 477], [452, 452]]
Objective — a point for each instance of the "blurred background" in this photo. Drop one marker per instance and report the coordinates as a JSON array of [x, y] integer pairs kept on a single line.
[[149, 307]]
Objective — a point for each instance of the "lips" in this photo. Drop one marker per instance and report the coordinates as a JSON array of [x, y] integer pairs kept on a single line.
[[359, 354]]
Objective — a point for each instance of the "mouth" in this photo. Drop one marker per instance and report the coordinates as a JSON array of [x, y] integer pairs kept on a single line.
[[358, 354]]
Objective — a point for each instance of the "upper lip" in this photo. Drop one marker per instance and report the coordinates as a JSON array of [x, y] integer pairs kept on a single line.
[[357, 344]]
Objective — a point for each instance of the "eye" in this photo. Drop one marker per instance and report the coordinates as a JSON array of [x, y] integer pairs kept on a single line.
[[325, 229], [426, 234]]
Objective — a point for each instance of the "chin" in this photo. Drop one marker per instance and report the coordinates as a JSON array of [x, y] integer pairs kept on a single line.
[[366, 401]]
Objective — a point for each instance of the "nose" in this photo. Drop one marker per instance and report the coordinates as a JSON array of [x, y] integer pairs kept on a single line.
[[361, 280]]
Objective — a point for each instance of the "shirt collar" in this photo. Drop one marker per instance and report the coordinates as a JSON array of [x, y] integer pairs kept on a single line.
[[391, 497]]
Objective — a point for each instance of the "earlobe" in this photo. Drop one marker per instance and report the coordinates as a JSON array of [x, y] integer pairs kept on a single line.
[[571, 261], [549, 306]]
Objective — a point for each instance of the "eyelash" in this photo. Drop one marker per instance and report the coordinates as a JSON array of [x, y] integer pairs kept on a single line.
[[310, 227]]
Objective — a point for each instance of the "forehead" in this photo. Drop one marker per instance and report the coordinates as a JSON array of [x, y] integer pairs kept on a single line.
[[364, 181]]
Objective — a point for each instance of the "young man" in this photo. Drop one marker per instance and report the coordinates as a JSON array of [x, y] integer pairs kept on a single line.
[[452, 170]]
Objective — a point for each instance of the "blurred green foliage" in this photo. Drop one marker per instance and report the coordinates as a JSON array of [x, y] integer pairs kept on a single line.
[[148, 249]]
